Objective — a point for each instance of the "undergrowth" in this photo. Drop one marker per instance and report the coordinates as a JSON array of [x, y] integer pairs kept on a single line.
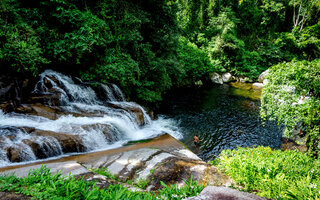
[[273, 173], [42, 184]]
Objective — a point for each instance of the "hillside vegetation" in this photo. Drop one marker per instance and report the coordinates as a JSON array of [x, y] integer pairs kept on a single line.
[[149, 46]]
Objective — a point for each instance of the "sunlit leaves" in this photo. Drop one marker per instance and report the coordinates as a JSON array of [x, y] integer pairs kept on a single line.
[[292, 96]]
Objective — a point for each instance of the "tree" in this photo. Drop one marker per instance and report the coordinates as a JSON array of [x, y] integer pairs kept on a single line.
[[292, 97], [302, 11]]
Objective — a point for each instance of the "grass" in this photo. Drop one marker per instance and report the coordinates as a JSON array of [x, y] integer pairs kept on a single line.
[[42, 184], [273, 173]]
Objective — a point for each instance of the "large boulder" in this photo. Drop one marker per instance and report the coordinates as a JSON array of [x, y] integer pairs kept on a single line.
[[216, 78], [263, 75], [156, 165]]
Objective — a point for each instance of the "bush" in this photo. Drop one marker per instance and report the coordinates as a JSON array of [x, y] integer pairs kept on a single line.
[[41, 184], [273, 173]]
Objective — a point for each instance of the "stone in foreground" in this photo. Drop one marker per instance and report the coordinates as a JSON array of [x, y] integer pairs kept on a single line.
[[224, 193]]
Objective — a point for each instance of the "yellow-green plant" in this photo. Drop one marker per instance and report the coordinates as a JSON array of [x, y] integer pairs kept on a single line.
[[273, 173]]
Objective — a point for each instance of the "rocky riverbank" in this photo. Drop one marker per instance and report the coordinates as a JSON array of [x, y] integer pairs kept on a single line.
[[161, 159]]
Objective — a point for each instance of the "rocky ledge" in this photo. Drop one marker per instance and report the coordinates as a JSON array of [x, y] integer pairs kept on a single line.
[[161, 159]]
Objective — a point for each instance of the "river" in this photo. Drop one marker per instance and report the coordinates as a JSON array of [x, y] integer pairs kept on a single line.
[[223, 116]]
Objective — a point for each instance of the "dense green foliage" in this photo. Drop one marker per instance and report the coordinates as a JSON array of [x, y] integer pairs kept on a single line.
[[149, 46], [273, 173], [41, 184], [292, 96], [248, 36]]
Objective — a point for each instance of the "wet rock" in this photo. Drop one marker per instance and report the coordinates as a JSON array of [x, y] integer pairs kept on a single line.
[[14, 154], [69, 143], [27, 129], [224, 193], [131, 108], [36, 148], [216, 78], [109, 132], [40, 110]]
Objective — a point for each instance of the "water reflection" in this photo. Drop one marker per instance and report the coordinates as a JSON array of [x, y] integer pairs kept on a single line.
[[223, 116]]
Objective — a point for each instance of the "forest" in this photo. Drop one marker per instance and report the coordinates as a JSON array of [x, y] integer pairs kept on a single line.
[[150, 46]]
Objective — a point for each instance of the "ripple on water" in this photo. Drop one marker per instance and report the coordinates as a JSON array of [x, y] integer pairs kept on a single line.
[[223, 116]]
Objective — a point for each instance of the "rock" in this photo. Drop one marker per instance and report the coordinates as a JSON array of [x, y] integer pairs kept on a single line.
[[13, 196], [257, 86], [216, 78], [265, 81], [13, 154], [263, 75], [227, 77], [40, 110], [69, 167], [150, 188], [45, 111], [36, 148], [7, 107], [171, 167], [224, 193], [131, 108], [47, 99], [106, 129], [69, 143], [292, 145], [19, 152]]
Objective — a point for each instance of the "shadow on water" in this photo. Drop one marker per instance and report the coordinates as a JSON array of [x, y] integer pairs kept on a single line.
[[224, 117]]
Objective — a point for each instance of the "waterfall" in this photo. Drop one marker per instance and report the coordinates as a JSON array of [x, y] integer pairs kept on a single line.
[[81, 121]]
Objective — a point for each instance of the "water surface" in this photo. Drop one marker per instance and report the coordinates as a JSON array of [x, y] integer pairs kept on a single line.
[[224, 117]]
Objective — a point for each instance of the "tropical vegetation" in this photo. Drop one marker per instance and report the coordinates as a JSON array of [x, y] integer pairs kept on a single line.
[[42, 184], [271, 173], [150, 46]]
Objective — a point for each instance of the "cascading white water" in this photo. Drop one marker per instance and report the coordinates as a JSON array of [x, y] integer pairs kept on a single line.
[[85, 117]]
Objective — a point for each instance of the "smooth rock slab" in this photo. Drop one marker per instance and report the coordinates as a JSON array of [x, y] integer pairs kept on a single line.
[[224, 193], [66, 168]]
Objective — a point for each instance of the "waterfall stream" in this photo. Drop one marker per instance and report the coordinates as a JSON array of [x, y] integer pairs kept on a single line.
[[82, 120]]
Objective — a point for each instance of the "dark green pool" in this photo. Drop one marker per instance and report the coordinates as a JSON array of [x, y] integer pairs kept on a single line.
[[223, 116]]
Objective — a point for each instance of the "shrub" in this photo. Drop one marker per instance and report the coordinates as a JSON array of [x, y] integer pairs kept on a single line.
[[273, 173]]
